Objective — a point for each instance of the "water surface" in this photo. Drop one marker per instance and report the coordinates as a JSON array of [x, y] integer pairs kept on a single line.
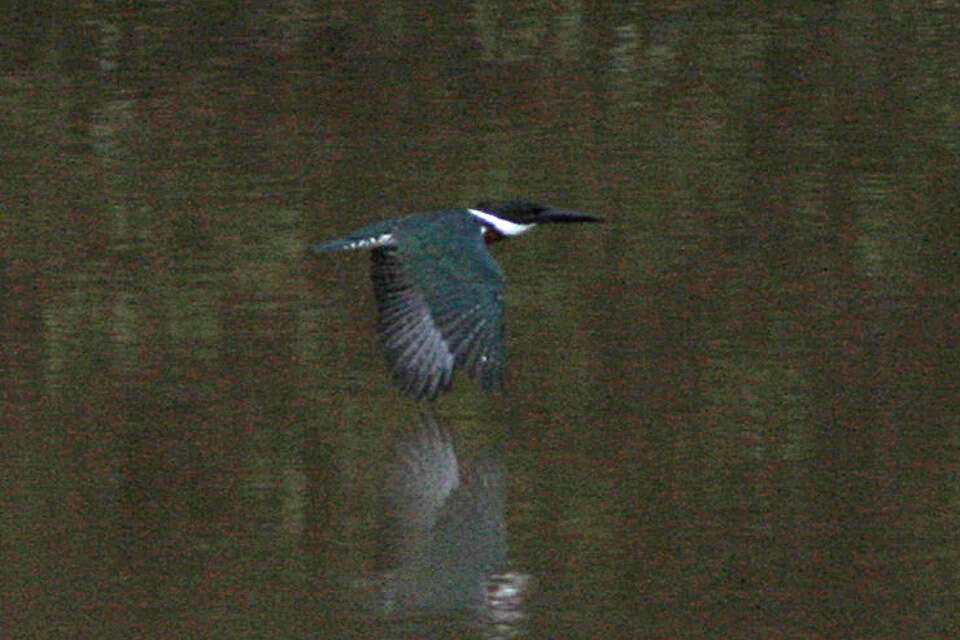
[[732, 411]]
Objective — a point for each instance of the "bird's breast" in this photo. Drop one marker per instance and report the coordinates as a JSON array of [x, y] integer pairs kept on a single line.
[[491, 235]]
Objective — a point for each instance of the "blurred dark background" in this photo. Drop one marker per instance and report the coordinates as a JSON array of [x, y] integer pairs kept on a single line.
[[732, 410]]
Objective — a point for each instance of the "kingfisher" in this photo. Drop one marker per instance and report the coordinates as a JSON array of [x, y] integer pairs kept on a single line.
[[439, 292]]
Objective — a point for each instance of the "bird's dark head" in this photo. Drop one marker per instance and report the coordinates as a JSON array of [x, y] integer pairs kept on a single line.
[[522, 212]]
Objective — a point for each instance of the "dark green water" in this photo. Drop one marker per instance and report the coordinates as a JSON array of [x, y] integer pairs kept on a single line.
[[732, 410]]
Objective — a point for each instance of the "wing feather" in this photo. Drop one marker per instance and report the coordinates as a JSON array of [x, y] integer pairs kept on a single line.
[[440, 307]]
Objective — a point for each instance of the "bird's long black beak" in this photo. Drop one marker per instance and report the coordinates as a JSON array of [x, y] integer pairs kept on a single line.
[[565, 215]]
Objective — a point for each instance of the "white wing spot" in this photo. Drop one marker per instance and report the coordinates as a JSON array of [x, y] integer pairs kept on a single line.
[[377, 241]]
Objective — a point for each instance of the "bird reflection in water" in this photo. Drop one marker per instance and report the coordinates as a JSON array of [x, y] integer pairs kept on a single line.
[[446, 531]]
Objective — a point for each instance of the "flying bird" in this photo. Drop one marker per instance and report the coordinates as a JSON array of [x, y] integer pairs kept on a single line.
[[439, 292]]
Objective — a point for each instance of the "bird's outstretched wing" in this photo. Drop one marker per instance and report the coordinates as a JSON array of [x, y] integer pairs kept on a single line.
[[371, 237], [441, 308]]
